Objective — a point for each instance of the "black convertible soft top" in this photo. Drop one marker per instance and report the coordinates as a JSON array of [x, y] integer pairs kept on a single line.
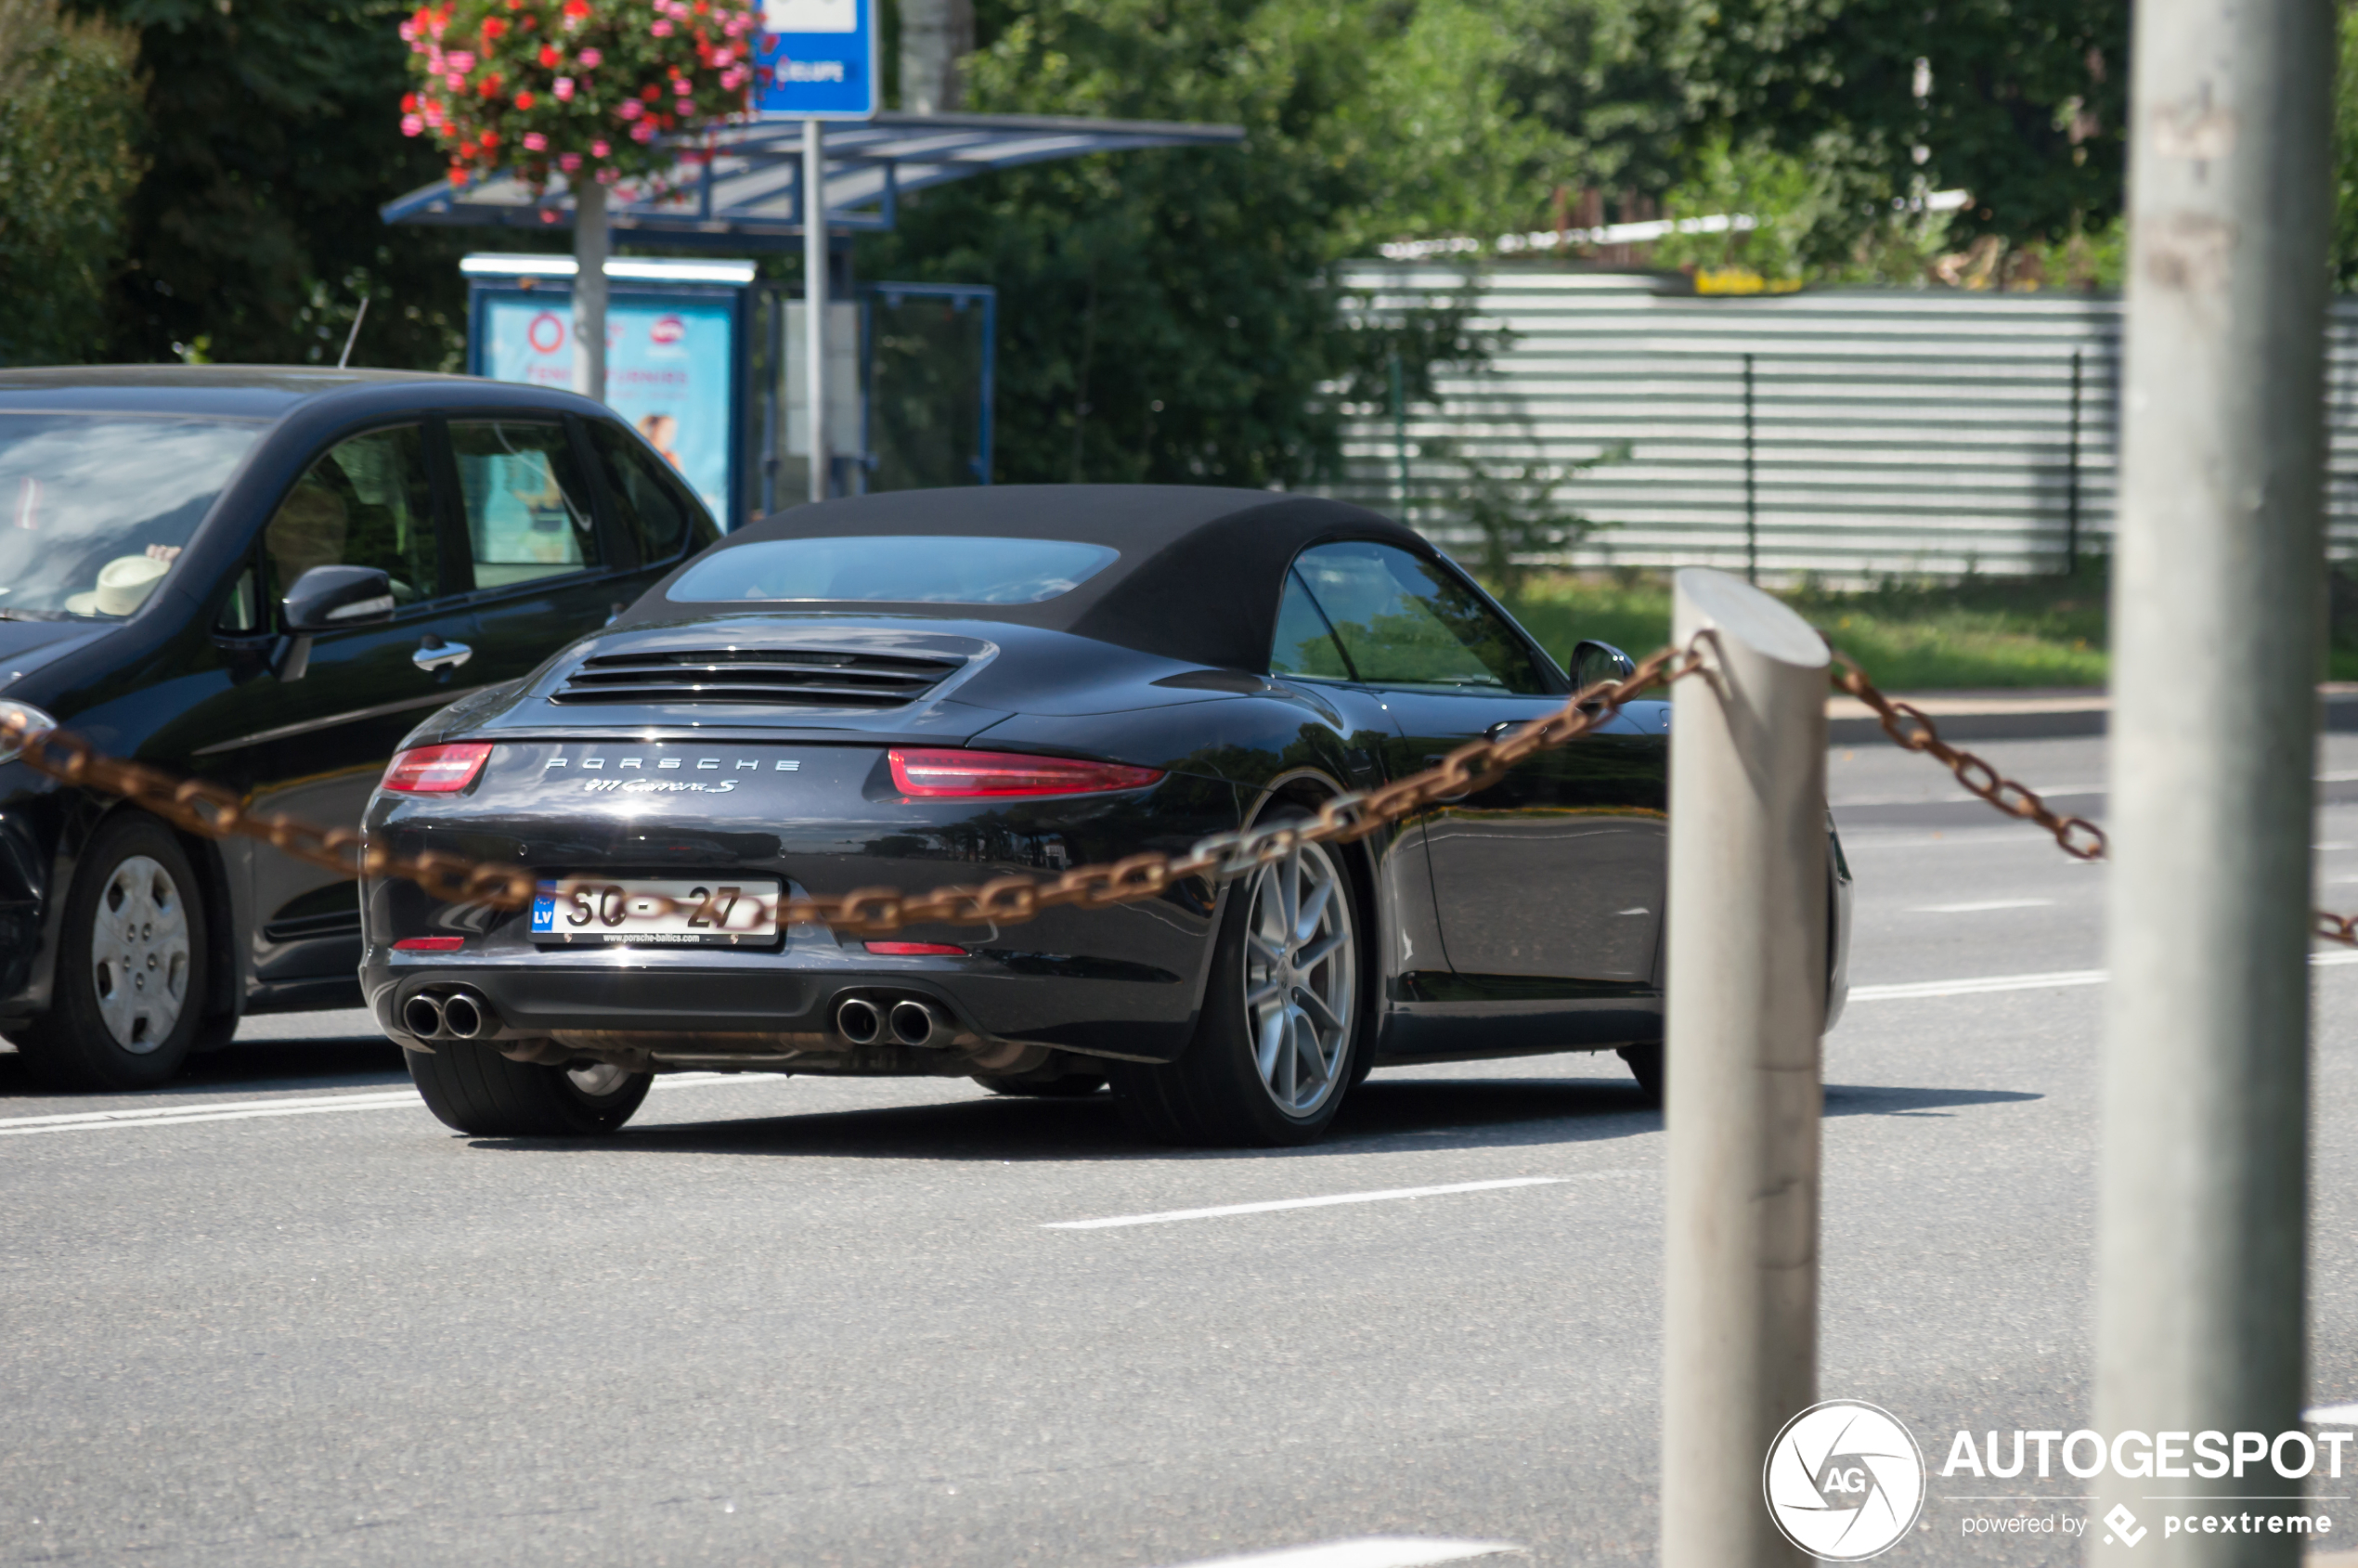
[[1199, 577]]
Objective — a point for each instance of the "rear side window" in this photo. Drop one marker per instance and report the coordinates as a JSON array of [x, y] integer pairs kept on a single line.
[[527, 509], [655, 509], [1403, 621]]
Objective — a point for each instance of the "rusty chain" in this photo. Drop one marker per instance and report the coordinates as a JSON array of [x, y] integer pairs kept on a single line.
[[1912, 728], [214, 812]]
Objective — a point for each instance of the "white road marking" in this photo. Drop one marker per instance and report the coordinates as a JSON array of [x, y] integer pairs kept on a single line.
[[245, 1110], [1986, 906], [1167, 1216], [2331, 1415], [2050, 981], [1374, 1551]]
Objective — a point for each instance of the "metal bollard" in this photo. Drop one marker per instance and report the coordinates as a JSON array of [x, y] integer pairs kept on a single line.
[[1748, 963]]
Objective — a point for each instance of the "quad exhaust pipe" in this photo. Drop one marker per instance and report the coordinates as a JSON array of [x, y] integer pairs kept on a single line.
[[919, 1023], [906, 1020], [460, 1013], [857, 1020]]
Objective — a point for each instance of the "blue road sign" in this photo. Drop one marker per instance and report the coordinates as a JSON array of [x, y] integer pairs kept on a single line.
[[816, 59]]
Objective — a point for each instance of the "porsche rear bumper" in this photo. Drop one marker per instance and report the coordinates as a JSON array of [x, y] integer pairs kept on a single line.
[[1118, 982]]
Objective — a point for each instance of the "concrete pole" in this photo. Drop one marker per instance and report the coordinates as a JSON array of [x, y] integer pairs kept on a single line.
[[935, 35], [1746, 957], [589, 290], [814, 298], [2216, 597]]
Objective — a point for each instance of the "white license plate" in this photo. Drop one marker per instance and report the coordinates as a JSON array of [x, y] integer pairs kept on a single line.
[[710, 912]]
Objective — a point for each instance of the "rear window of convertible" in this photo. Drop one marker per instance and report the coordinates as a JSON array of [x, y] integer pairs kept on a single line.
[[893, 569]]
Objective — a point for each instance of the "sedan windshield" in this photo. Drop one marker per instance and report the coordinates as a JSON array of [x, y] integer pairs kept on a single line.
[[97, 507], [895, 569]]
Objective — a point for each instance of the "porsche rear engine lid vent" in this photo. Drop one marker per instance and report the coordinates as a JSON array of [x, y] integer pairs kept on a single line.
[[766, 677]]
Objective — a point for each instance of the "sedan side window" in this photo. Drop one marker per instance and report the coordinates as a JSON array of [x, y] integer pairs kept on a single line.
[[659, 515], [1405, 622], [1305, 645], [527, 509], [365, 503]]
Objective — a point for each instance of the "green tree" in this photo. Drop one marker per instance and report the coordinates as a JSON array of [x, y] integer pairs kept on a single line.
[[275, 134], [70, 128], [2021, 102], [1176, 316]]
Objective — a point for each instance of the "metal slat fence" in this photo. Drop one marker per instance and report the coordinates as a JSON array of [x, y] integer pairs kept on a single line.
[[1884, 431]]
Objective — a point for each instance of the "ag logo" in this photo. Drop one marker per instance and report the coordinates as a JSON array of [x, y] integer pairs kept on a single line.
[[1844, 1481]]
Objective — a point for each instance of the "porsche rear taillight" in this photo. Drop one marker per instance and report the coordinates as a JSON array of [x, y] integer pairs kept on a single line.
[[436, 769], [1000, 775]]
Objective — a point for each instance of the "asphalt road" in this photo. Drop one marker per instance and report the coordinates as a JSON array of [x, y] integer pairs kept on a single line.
[[280, 1315]]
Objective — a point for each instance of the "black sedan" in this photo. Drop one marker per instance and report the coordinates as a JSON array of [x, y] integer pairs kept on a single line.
[[262, 577], [937, 687]]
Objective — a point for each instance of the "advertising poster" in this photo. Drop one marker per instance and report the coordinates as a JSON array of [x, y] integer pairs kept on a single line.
[[667, 365]]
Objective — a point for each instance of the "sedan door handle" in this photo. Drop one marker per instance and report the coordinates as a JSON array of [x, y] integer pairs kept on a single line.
[[1502, 727], [434, 654]]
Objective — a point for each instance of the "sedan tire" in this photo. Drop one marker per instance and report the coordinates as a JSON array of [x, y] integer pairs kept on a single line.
[[130, 998], [475, 1090], [1283, 1024]]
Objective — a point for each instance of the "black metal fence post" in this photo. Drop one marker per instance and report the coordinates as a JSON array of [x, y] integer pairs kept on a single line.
[[2071, 477], [1752, 495]]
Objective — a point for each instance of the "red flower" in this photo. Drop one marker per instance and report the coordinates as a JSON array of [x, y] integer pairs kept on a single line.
[[549, 55], [409, 103], [524, 101], [467, 149], [577, 8], [492, 28], [651, 93], [491, 140]]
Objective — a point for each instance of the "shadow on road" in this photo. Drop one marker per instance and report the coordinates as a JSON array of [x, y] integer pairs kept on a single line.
[[1419, 1113], [266, 1067]]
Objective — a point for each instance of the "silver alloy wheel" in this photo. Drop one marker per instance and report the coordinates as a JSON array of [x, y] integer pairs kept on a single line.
[[139, 954], [596, 1079], [1301, 977]]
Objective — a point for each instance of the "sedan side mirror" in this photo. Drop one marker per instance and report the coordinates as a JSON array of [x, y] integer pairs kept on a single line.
[[325, 597], [1592, 661]]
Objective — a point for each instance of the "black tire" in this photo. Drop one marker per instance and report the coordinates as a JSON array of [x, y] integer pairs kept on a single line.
[[475, 1090], [1215, 1094], [1071, 1086], [106, 1029], [1645, 1066]]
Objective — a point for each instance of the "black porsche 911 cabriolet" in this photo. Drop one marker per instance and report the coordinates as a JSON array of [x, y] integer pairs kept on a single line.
[[931, 687]]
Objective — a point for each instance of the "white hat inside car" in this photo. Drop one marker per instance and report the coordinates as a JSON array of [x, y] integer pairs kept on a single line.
[[123, 584]]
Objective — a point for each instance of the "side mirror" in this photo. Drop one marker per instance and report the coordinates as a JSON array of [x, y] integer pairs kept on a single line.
[[325, 597], [1592, 661]]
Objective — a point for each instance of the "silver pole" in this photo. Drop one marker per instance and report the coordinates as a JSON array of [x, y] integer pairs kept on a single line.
[[589, 290], [1746, 957], [2216, 592], [814, 297]]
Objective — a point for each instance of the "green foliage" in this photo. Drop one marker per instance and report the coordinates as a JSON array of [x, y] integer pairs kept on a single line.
[[1909, 635], [543, 85], [1174, 315], [70, 128], [2345, 262], [1517, 512], [2026, 105], [273, 139]]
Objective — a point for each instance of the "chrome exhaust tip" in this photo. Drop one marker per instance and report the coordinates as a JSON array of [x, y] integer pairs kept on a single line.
[[421, 1015], [465, 1017], [857, 1021], [918, 1023]]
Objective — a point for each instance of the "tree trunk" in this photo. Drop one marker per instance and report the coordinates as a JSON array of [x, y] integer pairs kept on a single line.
[[935, 35], [589, 290]]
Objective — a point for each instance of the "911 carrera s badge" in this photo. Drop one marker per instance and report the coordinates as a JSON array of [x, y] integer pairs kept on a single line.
[[619, 764]]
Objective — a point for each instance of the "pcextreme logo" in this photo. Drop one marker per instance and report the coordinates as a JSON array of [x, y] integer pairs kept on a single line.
[[1844, 1481]]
